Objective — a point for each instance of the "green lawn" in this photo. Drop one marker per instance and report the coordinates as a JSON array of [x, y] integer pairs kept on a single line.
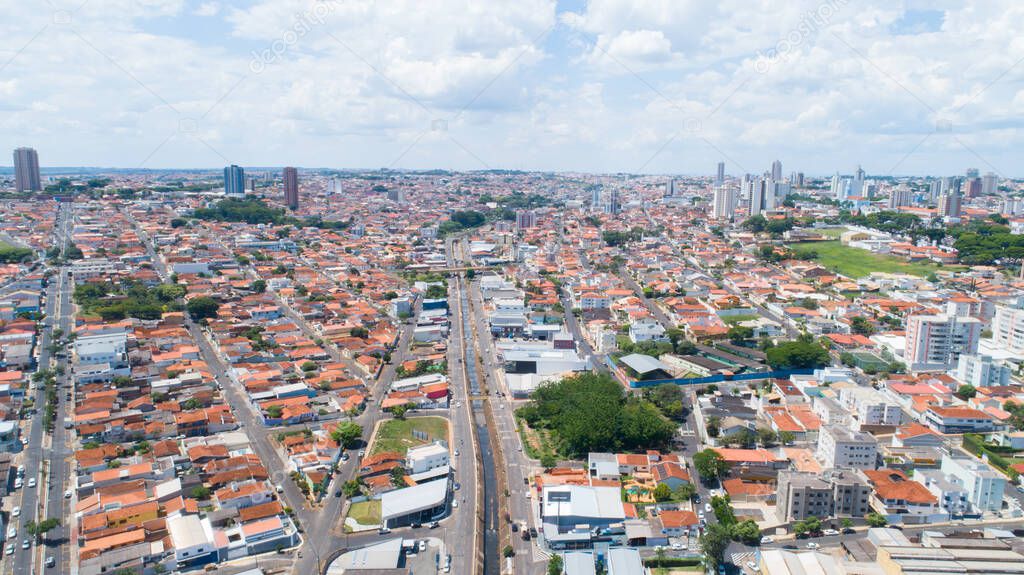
[[858, 263], [366, 512], [397, 434], [735, 319]]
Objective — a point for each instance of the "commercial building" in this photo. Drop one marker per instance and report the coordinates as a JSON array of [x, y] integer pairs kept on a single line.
[[573, 514], [844, 448], [870, 406], [26, 170], [416, 504], [959, 420], [291, 187], [426, 458]]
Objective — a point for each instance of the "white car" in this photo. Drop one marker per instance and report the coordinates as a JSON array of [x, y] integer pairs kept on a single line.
[[9, 550], [18, 483], [12, 532], [829, 532], [16, 512], [751, 565], [766, 540], [31, 482], [67, 494], [24, 544], [707, 508], [813, 545]]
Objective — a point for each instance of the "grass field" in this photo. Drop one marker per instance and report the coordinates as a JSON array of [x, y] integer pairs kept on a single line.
[[366, 512], [858, 263], [396, 434], [734, 319]]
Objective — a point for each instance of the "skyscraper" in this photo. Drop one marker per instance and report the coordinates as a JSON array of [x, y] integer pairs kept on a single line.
[[724, 203], [835, 185], [612, 205], [595, 196], [720, 176], [901, 196], [670, 188], [26, 170], [949, 205], [291, 188], [526, 219], [777, 170], [758, 190], [234, 181], [988, 184]]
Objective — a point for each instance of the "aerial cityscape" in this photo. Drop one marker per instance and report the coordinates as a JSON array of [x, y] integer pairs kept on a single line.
[[602, 319]]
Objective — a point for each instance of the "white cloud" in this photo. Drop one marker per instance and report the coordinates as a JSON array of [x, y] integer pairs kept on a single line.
[[822, 84]]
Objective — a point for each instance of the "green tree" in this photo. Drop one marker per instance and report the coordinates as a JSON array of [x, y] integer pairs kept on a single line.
[[662, 493], [966, 392], [876, 520], [351, 488], [555, 564], [846, 522], [199, 492], [738, 334], [747, 532], [258, 286], [714, 542], [685, 491], [723, 510], [797, 354], [709, 464], [347, 433], [862, 326], [202, 307], [548, 460], [275, 411]]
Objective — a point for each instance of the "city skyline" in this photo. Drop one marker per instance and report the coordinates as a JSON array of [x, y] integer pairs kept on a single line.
[[604, 87]]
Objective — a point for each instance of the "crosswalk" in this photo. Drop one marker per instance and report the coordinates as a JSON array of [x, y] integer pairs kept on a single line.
[[742, 558], [539, 555]]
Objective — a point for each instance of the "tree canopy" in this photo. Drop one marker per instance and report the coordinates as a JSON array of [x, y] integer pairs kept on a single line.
[[797, 354], [591, 412]]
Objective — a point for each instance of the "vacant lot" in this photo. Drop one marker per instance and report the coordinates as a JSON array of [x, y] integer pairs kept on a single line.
[[366, 512], [397, 434], [858, 263]]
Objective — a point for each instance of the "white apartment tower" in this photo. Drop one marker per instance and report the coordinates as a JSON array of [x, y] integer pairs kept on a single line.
[[935, 342], [724, 203]]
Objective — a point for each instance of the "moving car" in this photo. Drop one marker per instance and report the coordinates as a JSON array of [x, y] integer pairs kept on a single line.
[[31, 482], [813, 545], [766, 540], [24, 544]]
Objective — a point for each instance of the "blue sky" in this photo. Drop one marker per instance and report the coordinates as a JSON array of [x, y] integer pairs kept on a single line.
[[657, 86]]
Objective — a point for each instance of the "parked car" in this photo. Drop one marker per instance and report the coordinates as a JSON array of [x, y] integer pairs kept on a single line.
[[766, 540], [31, 482], [16, 512], [12, 532], [9, 550], [434, 524], [50, 561]]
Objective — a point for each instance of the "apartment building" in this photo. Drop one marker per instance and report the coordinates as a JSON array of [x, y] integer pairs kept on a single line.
[[844, 448], [982, 371], [832, 494], [871, 407], [1008, 326], [935, 342], [984, 485]]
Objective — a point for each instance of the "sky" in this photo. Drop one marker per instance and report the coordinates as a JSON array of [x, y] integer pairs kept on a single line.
[[909, 87]]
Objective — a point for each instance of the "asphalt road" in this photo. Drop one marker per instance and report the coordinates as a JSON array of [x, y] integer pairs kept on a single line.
[[41, 449]]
